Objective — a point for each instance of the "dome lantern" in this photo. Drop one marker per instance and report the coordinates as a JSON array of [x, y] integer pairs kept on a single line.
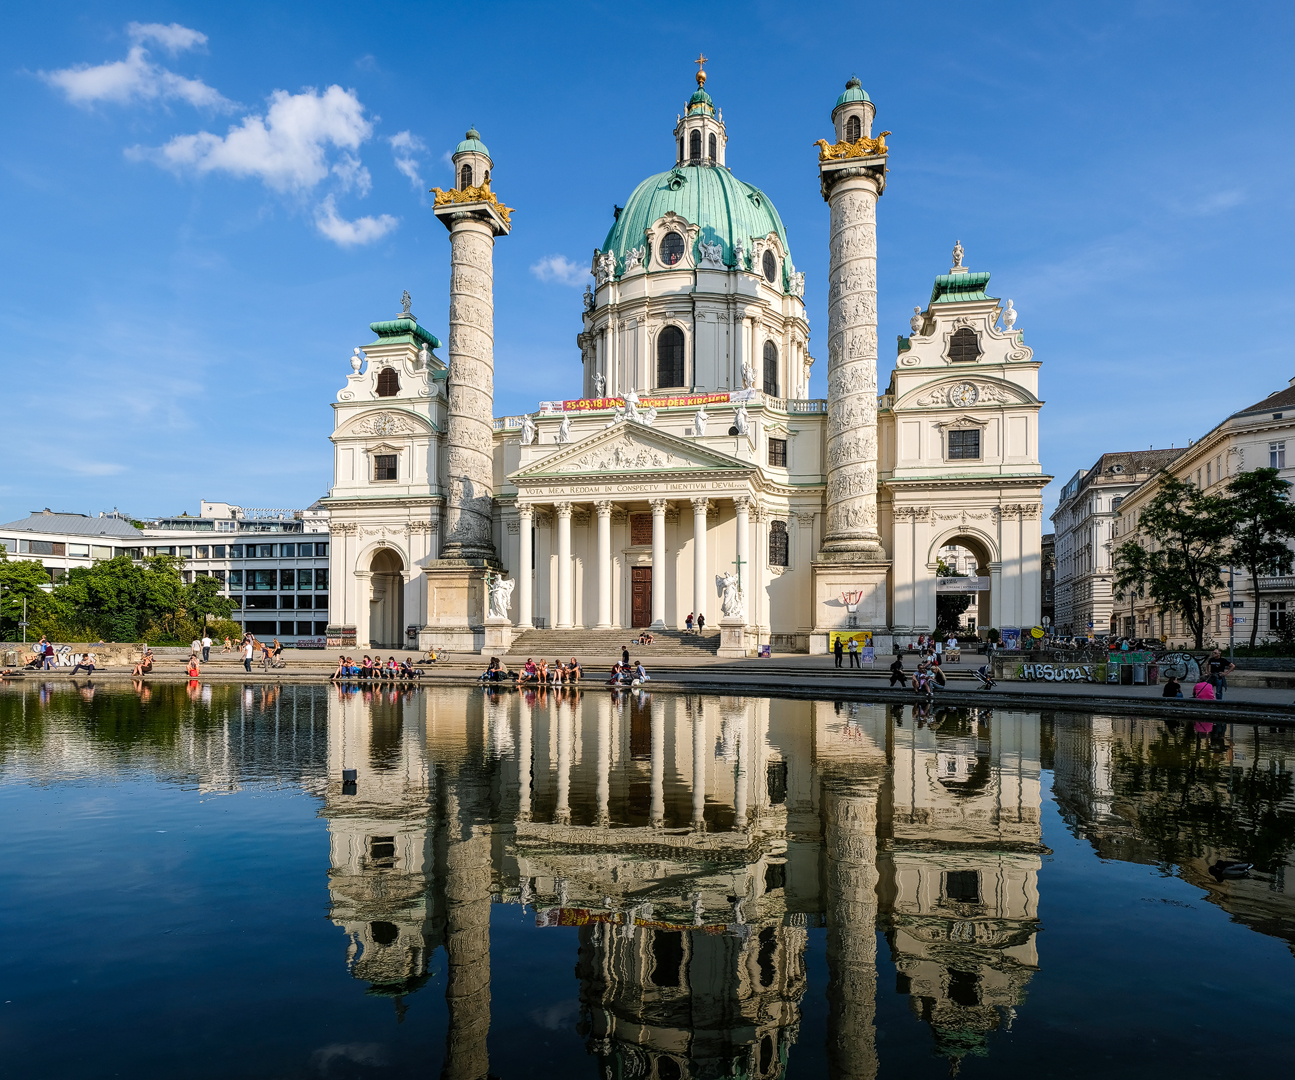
[[699, 135], [472, 162], [852, 115]]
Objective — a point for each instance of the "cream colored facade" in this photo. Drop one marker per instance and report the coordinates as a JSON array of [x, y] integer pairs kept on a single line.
[[1252, 438], [690, 449]]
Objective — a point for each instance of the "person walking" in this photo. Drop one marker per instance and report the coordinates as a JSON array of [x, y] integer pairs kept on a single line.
[[897, 672], [688, 622], [206, 647], [837, 650], [701, 623], [1217, 667], [247, 655], [854, 654]]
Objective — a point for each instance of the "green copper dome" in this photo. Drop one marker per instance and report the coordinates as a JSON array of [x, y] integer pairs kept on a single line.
[[854, 91], [701, 99], [472, 144], [726, 209]]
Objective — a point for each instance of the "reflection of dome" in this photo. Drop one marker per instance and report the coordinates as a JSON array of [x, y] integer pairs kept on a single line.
[[707, 195]]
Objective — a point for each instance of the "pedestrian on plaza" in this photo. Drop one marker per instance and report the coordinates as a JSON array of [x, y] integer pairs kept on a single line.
[[837, 650], [688, 622], [195, 646], [1218, 667], [247, 653], [854, 654], [1203, 690], [701, 623], [625, 655], [1173, 688], [193, 669], [206, 647], [51, 658], [897, 672], [227, 647]]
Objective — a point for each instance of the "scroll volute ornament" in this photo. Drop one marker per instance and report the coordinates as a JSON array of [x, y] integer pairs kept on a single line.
[[861, 147]]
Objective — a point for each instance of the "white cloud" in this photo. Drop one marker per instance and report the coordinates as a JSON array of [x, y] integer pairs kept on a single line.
[[285, 149], [406, 147], [174, 38], [353, 175], [560, 269], [1217, 202], [137, 78], [345, 233]]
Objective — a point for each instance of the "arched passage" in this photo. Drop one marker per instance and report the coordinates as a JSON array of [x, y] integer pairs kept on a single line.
[[967, 553], [386, 600]]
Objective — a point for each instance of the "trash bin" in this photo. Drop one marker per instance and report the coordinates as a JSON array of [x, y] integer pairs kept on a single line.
[[1153, 674], [1126, 675], [1139, 674], [1112, 673]]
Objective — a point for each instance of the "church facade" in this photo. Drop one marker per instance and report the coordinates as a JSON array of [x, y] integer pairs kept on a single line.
[[690, 471]]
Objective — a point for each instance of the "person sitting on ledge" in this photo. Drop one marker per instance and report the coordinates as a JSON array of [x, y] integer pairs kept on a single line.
[[530, 672], [87, 662], [1203, 690], [491, 674], [341, 669], [1173, 688], [408, 671], [574, 671], [193, 669], [145, 664]]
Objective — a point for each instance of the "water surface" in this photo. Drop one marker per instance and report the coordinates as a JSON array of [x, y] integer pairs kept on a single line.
[[625, 886]]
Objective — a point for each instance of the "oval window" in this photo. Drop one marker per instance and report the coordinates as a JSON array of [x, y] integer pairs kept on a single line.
[[671, 248], [770, 264]]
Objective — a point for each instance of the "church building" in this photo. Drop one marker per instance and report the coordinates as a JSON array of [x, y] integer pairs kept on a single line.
[[691, 471]]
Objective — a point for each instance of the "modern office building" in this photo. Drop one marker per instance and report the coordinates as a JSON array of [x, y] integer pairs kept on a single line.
[[273, 563]]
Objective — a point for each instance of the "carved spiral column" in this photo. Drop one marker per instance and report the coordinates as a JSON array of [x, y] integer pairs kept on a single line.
[[852, 194], [470, 418]]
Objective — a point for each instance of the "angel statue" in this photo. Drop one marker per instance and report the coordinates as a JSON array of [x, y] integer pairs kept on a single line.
[[748, 375], [600, 383], [501, 595], [741, 420], [605, 267], [528, 430], [564, 430], [699, 421], [957, 254], [1009, 316], [589, 299], [648, 418], [915, 323], [712, 254], [732, 603]]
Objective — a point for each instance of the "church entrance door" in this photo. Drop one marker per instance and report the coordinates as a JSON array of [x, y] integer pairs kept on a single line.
[[641, 590]]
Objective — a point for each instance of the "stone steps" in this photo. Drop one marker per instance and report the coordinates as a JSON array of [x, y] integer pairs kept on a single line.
[[546, 644]]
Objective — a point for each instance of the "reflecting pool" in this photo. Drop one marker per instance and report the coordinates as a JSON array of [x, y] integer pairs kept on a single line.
[[630, 886]]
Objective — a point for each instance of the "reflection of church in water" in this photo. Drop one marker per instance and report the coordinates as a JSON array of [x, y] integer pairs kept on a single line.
[[694, 843]]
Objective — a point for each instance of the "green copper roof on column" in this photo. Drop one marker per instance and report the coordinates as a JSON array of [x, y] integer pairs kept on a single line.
[[472, 144], [854, 91], [952, 288], [710, 196]]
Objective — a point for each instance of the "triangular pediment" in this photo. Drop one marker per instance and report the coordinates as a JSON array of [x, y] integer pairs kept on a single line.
[[630, 447]]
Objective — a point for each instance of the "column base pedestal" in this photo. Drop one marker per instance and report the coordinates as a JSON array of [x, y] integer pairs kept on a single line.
[[456, 605], [833, 576], [498, 636], [732, 638]]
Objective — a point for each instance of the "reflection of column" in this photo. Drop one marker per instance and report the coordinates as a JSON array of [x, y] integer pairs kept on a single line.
[[563, 814], [604, 757], [699, 591], [525, 571], [563, 510], [743, 769], [699, 768], [604, 510], [658, 563], [467, 945], [850, 833], [657, 816], [524, 763], [744, 554]]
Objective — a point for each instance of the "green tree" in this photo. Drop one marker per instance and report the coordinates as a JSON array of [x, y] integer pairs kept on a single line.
[[1132, 569], [1190, 533], [202, 598], [22, 579], [120, 600], [948, 606], [1263, 521]]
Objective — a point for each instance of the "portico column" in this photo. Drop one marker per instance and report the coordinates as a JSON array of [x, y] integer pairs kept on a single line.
[[658, 564], [743, 505], [525, 569], [563, 511], [699, 590], [604, 510]]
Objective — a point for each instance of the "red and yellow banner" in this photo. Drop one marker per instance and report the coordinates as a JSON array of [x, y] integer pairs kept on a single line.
[[686, 400]]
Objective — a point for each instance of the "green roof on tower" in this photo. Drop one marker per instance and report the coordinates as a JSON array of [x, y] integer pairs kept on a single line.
[[854, 91], [472, 144]]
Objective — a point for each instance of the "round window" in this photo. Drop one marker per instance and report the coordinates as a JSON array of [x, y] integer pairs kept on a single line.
[[671, 248], [770, 264]]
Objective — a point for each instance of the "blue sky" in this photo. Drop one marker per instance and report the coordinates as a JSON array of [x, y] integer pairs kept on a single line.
[[204, 206]]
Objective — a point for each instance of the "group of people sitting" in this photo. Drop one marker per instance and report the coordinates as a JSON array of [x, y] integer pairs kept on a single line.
[[626, 673], [645, 638], [372, 668], [554, 674]]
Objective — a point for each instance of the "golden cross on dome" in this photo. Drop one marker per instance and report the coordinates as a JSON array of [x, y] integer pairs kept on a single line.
[[701, 75]]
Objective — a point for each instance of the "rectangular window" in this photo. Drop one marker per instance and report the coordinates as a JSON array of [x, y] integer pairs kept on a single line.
[[1277, 615], [235, 551], [384, 466], [321, 551], [236, 579], [962, 886], [1209, 473], [304, 578], [287, 579], [261, 602], [321, 581], [303, 629], [263, 580], [776, 782], [219, 575], [778, 453], [1277, 455], [321, 601], [186, 553], [321, 628], [261, 626], [288, 551], [99, 551], [202, 551], [286, 602], [237, 601], [964, 445], [285, 628], [263, 551], [163, 551], [218, 551], [79, 551]]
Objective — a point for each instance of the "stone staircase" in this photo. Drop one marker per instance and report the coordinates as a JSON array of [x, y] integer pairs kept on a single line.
[[550, 644]]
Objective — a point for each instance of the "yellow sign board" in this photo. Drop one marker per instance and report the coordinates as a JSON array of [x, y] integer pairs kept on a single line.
[[863, 637], [1037, 632]]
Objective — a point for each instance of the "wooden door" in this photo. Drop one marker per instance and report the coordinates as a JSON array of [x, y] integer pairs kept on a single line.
[[641, 588]]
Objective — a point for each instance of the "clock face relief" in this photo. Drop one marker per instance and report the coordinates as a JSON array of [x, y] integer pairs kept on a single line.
[[963, 394], [385, 425]]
